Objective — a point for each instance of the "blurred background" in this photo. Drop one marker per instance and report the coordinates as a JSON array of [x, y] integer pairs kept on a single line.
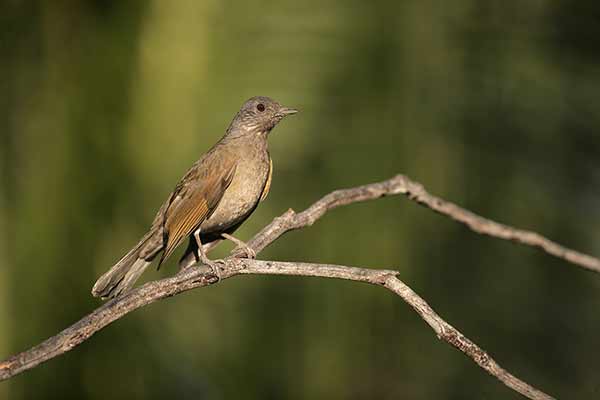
[[493, 105]]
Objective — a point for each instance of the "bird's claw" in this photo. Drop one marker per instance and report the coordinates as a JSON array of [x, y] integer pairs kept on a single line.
[[244, 251], [214, 266]]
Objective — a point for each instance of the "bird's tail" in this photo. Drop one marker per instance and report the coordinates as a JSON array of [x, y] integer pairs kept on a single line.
[[123, 275]]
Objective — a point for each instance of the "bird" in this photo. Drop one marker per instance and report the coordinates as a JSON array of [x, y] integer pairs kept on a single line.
[[215, 196]]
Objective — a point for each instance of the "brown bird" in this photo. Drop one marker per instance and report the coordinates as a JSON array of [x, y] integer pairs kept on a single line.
[[211, 201]]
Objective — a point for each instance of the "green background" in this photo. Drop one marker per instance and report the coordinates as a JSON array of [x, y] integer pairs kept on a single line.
[[493, 105]]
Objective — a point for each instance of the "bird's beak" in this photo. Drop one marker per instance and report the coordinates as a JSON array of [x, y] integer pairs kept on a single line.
[[283, 111]]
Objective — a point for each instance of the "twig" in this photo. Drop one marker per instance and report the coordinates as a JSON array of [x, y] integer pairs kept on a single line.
[[191, 278]]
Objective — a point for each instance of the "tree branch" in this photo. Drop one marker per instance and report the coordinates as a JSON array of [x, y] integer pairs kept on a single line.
[[191, 278], [198, 277], [401, 184]]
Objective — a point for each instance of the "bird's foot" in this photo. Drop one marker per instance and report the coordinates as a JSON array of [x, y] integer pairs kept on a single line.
[[203, 259], [242, 249], [214, 265]]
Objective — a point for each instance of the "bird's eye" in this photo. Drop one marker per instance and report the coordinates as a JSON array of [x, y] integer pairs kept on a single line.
[[260, 107]]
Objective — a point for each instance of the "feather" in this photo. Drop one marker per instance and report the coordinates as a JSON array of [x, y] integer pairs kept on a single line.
[[195, 199]]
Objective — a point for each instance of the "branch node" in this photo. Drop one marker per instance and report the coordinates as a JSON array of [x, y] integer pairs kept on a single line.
[[397, 185]]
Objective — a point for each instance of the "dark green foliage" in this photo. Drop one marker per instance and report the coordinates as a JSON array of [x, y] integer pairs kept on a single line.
[[491, 105]]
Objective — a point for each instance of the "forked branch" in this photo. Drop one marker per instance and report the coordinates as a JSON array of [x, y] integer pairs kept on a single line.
[[191, 278]]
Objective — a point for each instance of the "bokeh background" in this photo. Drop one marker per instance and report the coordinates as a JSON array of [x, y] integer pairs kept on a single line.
[[493, 105]]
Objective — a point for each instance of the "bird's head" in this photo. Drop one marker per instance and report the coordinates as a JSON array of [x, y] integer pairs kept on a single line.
[[259, 115]]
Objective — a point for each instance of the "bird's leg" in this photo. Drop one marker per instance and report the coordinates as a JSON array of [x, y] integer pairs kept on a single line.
[[201, 256], [190, 257], [241, 246]]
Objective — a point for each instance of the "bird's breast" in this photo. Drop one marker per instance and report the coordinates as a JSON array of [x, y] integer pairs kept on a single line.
[[243, 194]]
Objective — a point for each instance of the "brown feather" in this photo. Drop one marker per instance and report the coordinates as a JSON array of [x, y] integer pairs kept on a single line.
[[196, 197], [267, 187], [183, 223]]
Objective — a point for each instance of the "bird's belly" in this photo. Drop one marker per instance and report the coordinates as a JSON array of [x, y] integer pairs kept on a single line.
[[239, 200]]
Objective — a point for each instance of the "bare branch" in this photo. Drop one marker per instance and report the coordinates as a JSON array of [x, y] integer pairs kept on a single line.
[[191, 278], [401, 184], [390, 281], [198, 277]]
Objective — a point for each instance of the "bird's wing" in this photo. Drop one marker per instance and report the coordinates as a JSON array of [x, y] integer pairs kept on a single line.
[[267, 186], [196, 197]]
